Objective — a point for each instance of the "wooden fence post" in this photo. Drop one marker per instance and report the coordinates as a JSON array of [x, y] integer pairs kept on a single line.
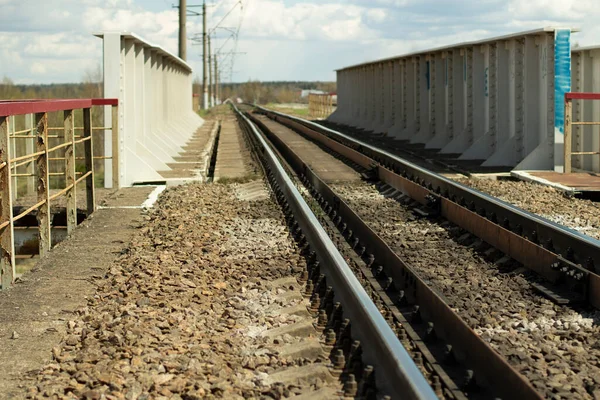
[[70, 176], [43, 186], [89, 160], [7, 244], [567, 137], [115, 146]]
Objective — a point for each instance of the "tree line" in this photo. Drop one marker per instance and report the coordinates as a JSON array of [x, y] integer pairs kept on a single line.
[[269, 92]]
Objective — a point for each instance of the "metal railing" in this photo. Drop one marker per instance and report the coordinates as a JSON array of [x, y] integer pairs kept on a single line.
[[36, 161], [569, 123]]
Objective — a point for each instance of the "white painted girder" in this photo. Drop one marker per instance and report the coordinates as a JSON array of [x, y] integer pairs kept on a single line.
[[156, 118], [493, 100]]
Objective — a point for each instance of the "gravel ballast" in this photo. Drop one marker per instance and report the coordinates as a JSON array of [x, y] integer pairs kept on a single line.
[[556, 348], [579, 214], [181, 315]]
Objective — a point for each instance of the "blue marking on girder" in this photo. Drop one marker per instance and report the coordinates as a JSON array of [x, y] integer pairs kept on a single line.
[[562, 75], [427, 72]]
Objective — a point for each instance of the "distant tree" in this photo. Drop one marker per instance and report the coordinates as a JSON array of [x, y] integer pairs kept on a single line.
[[93, 82]]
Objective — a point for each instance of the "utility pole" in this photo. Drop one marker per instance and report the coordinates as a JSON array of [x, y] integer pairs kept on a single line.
[[182, 33], [204, 58], [216, 82], [211, 94]]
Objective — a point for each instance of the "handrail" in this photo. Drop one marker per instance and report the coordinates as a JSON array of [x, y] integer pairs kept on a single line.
[[568, 153], [35, 165], [21, 107]]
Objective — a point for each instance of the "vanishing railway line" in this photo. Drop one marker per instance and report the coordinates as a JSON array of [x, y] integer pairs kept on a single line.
[[344, 310], [349, 281], [566, 258], [419, 268]]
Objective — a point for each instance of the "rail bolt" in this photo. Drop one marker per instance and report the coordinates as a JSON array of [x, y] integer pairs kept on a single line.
[[416, 314], [366, 380], [350, 387], [469, 379], [430, 335], [314, 303], [437, 386], [402, 300], [389, 284], [322, 321], [329, 337], [303, 276], [449, 355], [309, 288], [339, 360]]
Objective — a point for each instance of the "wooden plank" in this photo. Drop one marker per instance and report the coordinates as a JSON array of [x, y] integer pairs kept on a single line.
[[7, 245], [115, 146], [89, 161], [69, 130], [43, 216]]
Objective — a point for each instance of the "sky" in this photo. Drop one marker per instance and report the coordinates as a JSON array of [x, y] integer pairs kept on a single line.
[[51, 41]]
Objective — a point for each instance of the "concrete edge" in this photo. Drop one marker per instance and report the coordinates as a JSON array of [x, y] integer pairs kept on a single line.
[[525, 176]]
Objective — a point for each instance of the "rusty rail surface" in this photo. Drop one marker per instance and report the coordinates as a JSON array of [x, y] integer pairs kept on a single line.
[[569, 260], [492, 371], [395, 372], [36, 163]]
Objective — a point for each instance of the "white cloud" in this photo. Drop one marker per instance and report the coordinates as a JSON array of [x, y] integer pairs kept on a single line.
[[307, 21], [50, 40], [37, 68], [551, 9]]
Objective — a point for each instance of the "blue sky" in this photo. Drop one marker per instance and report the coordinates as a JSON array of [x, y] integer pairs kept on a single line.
[[45, 41]]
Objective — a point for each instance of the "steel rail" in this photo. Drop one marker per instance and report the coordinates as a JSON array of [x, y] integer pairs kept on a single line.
[[491, 370], [395, 372], [577, 253]]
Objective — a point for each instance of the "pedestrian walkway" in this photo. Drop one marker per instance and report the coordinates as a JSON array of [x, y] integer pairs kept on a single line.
[[35, 312], [232, 158]]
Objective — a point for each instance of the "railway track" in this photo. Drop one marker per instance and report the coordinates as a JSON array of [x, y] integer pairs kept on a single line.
[[230, 290], [567, 259], [364, 349], [402, 286]]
